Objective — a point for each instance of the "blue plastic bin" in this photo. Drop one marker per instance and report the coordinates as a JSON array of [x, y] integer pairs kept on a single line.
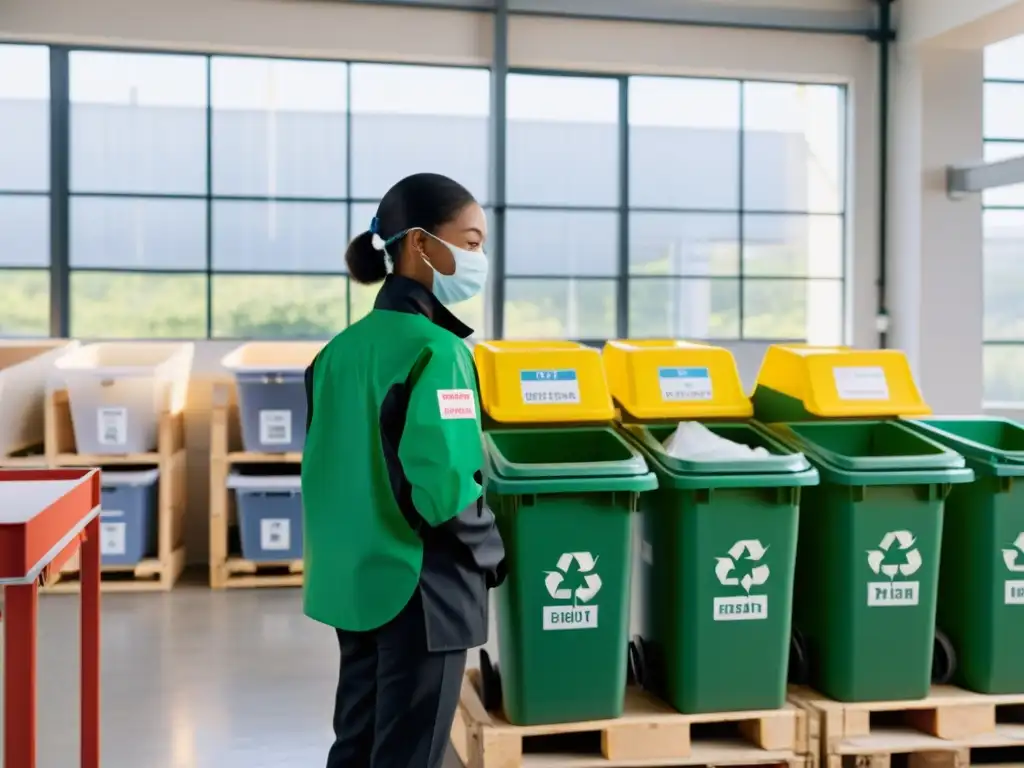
[[272, 394], [128, 529], [269, 516]]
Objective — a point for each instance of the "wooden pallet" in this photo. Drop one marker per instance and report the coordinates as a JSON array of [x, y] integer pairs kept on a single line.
[[152, 574], [648, 734], [227, 569], [939, 731]]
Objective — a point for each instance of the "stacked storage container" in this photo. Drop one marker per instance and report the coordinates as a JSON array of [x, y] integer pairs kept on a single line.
[[118, 391]]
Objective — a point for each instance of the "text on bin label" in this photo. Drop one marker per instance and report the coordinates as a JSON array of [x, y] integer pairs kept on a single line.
[[1014, 594], [893, 593], [553, 387], [275, 427], [866, 382], [113, 538], [570, 617], [685, 384], [275, 534], [741, 608], [112, 426]]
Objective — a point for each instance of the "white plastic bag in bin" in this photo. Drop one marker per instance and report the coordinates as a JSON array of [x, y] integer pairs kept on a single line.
[[117, 392], [695, 442]]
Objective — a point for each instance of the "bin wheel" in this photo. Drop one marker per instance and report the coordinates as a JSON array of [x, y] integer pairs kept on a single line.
[[637, 661], [799, 666], [943, 659], [490, 683]]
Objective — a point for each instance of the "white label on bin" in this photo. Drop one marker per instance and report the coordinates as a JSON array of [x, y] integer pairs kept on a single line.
[[568, 617], [112, 426], [741, 608], [554, 387], [113, 536], [1014, 593], [743, 567], [680, 385], [866, 382], [576, 581], [456, 403], [275, 534], [896, 557], [275, 427], [893, 593]]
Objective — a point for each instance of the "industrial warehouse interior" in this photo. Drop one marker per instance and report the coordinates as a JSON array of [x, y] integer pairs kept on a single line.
[[745, 382]]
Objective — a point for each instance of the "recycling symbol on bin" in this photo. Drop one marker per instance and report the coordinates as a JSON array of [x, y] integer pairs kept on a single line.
[[1010, 555], [755, 575], [881, 559], [588, 585]]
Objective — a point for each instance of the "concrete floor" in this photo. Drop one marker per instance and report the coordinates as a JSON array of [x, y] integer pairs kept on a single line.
[[194, 679]]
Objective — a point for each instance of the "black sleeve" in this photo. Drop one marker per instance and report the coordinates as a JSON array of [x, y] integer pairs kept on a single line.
[[475, 529], [309, 395]]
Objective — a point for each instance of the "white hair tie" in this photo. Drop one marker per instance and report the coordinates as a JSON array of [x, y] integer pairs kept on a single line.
[[377, 242]]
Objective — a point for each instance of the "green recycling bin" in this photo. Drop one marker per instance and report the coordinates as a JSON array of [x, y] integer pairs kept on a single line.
[[868, 559], [563, 500], [718, 552], [981, 579]]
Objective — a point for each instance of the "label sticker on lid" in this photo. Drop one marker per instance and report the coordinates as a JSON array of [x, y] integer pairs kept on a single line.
[[680, 385], [866, 382], [553, 387]]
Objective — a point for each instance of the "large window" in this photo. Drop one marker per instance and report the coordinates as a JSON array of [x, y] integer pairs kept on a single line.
[[213, 196], [671, 207], [24, 190], [216, 195], [1004, 227]]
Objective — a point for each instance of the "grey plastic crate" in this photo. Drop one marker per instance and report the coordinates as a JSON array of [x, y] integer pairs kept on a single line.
[[272, 410], [128, 526], [269, 516]]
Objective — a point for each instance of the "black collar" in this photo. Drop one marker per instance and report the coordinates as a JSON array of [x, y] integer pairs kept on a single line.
[[403, 294]]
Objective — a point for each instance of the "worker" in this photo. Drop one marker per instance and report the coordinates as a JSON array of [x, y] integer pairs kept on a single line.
[[400, 550]]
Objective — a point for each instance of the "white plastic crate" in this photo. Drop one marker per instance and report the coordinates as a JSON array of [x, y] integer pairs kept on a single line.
[[26, 368], [118, 391]]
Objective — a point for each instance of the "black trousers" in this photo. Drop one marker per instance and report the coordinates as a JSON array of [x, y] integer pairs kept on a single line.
[[396, 700]]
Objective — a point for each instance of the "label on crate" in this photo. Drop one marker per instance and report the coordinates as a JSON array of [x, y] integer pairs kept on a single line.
[[866, 382], [275, 534], [113, 536], [275, 427], [680, 385], [553, 387], [112, 426]]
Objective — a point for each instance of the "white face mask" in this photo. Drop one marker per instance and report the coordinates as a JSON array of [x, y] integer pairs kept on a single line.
[[468, 279]]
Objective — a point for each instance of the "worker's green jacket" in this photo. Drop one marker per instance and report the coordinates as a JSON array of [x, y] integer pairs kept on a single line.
[[392, 474]]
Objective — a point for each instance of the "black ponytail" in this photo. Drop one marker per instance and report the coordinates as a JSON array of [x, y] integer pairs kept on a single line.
[[421, 201], [365, 264]]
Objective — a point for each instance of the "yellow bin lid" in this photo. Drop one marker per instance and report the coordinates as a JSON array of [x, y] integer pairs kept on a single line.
[[841, 382], [542, 382], [667, 379]]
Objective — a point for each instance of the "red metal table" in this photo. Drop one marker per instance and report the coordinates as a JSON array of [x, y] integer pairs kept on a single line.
[[46, 515]]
